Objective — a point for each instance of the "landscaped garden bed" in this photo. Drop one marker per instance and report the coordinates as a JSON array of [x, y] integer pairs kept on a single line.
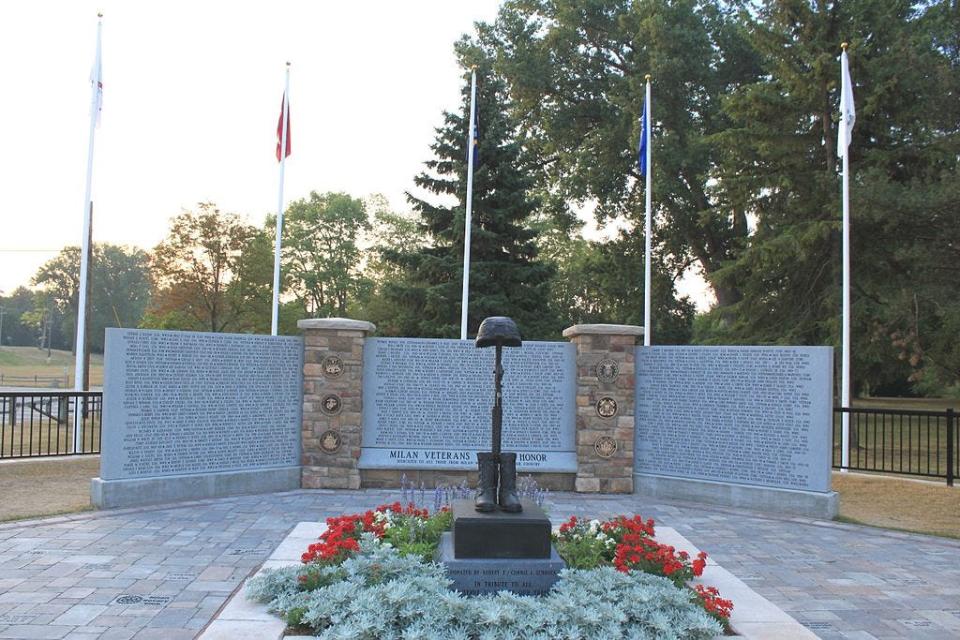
[[371, 575]]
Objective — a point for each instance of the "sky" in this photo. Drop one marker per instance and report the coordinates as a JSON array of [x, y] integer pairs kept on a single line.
[[192, 94]]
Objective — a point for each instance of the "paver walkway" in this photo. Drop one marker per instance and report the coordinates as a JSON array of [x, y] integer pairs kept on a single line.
[[162, 573]]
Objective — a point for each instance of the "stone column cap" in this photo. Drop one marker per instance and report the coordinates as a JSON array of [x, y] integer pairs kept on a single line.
[[602, 329], [336, 324]]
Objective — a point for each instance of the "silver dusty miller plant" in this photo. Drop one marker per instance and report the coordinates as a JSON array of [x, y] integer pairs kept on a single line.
[[379, 594]]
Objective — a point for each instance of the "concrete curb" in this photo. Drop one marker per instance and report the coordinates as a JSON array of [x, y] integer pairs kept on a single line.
[[754, 617]]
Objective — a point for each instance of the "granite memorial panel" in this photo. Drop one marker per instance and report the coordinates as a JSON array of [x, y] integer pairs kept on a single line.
[[427, 403], [748, 415], [179, 403]]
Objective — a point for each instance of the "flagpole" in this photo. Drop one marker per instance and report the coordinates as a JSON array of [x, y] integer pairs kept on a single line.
[[648, 220], [279, 232], [468, 221], [845, 361], [80, 342]]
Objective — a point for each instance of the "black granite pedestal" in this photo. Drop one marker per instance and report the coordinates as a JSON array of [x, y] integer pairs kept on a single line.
[[498, 551]]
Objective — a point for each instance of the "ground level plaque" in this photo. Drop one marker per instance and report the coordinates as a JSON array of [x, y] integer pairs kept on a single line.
[[476, 576]]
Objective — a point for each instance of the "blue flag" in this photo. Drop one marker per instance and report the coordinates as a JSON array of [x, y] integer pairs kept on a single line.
[[642, 151]]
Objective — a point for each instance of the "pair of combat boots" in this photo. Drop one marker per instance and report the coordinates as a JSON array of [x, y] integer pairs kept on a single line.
[[488, 496]]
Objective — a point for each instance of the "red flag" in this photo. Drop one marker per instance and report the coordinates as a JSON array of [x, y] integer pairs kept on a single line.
[[280, 129]]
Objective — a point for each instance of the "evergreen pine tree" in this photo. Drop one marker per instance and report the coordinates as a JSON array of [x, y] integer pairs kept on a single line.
[[781, 153], [506, 276]]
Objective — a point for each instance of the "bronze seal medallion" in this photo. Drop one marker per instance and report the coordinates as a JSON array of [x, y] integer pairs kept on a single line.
[[332, 366], [605, 446], [331, 404], [607, 370], [330, 442], [606, 407]]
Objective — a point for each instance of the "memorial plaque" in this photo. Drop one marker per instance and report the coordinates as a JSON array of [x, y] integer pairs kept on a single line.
[[178, 402], [473, 576], [746, 415], [427, 403]]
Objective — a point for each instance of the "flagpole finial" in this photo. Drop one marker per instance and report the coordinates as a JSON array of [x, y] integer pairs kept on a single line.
[[844, 45], [647, 77]]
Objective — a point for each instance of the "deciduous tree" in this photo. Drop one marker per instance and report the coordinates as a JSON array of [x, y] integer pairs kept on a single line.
[[322, 258], [196, 267]]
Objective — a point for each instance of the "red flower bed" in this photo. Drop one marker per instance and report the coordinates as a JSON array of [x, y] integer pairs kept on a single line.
[[713, 603], [341, 539], [629, 545]]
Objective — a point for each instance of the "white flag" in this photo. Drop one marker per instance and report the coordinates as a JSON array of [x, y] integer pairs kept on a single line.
[[96, 82], [848, 114]]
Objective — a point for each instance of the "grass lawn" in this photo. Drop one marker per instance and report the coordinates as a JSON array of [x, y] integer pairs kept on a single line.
[[30, 367], [899, 503], [34, 488]]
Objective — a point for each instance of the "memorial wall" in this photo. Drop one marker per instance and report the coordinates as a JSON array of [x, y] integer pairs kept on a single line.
[[427, 404], [749, 415], [179, 403]]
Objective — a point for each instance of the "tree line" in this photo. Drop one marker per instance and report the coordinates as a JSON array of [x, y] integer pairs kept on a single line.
[[746, 191]]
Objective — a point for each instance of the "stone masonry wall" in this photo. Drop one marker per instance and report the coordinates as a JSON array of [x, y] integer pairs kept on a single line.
[[332, 401], [605, 406], [333, 405]]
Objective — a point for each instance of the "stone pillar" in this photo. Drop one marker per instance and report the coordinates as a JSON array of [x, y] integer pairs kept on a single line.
[[332, 401], [605, 411]]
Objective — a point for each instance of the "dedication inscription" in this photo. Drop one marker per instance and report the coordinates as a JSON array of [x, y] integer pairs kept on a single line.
[[185, 402], [427, 403], [748, 415]]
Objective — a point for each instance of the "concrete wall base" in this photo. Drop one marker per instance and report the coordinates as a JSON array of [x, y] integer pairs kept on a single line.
[[811, 504], [111, 494]]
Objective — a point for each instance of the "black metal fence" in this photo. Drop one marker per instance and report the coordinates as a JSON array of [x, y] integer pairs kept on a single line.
[[898, 441], [49, 423], [908, 442]]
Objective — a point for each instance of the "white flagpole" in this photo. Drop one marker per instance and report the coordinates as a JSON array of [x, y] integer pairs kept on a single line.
[[845, 362], [283, 161], [648, 221], [467, 222], [95, 90]]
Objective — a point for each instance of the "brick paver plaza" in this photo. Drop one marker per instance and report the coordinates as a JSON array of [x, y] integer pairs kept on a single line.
[[163, 572]]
